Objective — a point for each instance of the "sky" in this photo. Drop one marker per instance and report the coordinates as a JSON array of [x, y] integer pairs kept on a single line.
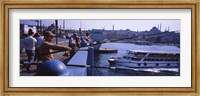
[[134, 25]]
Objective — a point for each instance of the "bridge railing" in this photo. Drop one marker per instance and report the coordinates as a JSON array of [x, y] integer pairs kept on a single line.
[[78, 63]]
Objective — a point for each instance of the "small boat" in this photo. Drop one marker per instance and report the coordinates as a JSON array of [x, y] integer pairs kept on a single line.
[[147, 59], [106, 50]]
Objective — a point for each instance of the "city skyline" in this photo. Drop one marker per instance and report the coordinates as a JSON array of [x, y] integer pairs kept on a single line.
[[133, 24]]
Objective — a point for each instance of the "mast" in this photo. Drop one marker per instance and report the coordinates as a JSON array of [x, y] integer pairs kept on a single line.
[[80, 27]]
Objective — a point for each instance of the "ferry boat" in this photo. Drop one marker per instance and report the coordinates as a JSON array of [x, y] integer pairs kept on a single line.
[[147, 59]]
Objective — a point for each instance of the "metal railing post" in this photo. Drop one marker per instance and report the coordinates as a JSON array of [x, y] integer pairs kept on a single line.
[[90, 57], [90, 61]]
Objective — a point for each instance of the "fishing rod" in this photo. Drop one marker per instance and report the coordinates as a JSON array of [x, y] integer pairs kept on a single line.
[[92, 45], [61, 51]]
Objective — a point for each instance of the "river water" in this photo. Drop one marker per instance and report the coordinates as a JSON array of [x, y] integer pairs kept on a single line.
[[102, 60]]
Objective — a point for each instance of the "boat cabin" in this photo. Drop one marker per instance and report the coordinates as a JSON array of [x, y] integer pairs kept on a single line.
[[138, 55]]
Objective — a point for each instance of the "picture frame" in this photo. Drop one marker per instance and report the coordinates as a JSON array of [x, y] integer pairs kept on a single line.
[[110, 4]]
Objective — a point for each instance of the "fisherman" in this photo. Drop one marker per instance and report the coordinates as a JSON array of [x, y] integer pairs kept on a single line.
[[29, 44], [46, 48], [86, 40], [74, 43], [40, 40]]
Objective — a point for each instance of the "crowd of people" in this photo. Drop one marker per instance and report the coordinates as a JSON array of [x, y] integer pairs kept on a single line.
[[40, 48], [75, 42]]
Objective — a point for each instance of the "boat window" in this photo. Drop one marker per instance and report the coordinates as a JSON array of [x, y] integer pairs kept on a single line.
[[125, 57], [140, 54], [137, 59]]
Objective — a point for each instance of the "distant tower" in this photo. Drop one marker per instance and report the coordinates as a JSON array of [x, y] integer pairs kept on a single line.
[[80, 23], [168, 28], [113, 27], [63, 24]]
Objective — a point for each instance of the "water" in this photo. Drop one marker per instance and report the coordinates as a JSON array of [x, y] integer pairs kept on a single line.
[[102, 60]]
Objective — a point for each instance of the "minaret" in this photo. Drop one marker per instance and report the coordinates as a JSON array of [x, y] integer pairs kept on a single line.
[[160, 26]]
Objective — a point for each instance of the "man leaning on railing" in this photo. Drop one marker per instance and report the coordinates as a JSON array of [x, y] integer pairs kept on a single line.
[[47, 48]]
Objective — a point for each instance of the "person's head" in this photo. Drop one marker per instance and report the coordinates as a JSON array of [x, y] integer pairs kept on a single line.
[[36, 35], [87, 34], [48, 36], [74, 35], [30, 32]]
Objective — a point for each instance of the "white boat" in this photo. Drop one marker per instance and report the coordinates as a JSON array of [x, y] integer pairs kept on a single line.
[[147, 59]]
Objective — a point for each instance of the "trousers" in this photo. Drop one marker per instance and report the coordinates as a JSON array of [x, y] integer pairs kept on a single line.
[[31, 55]]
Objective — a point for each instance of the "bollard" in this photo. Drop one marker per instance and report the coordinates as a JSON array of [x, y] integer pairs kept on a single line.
[[90, 61], [52, 68], [90, 57]]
